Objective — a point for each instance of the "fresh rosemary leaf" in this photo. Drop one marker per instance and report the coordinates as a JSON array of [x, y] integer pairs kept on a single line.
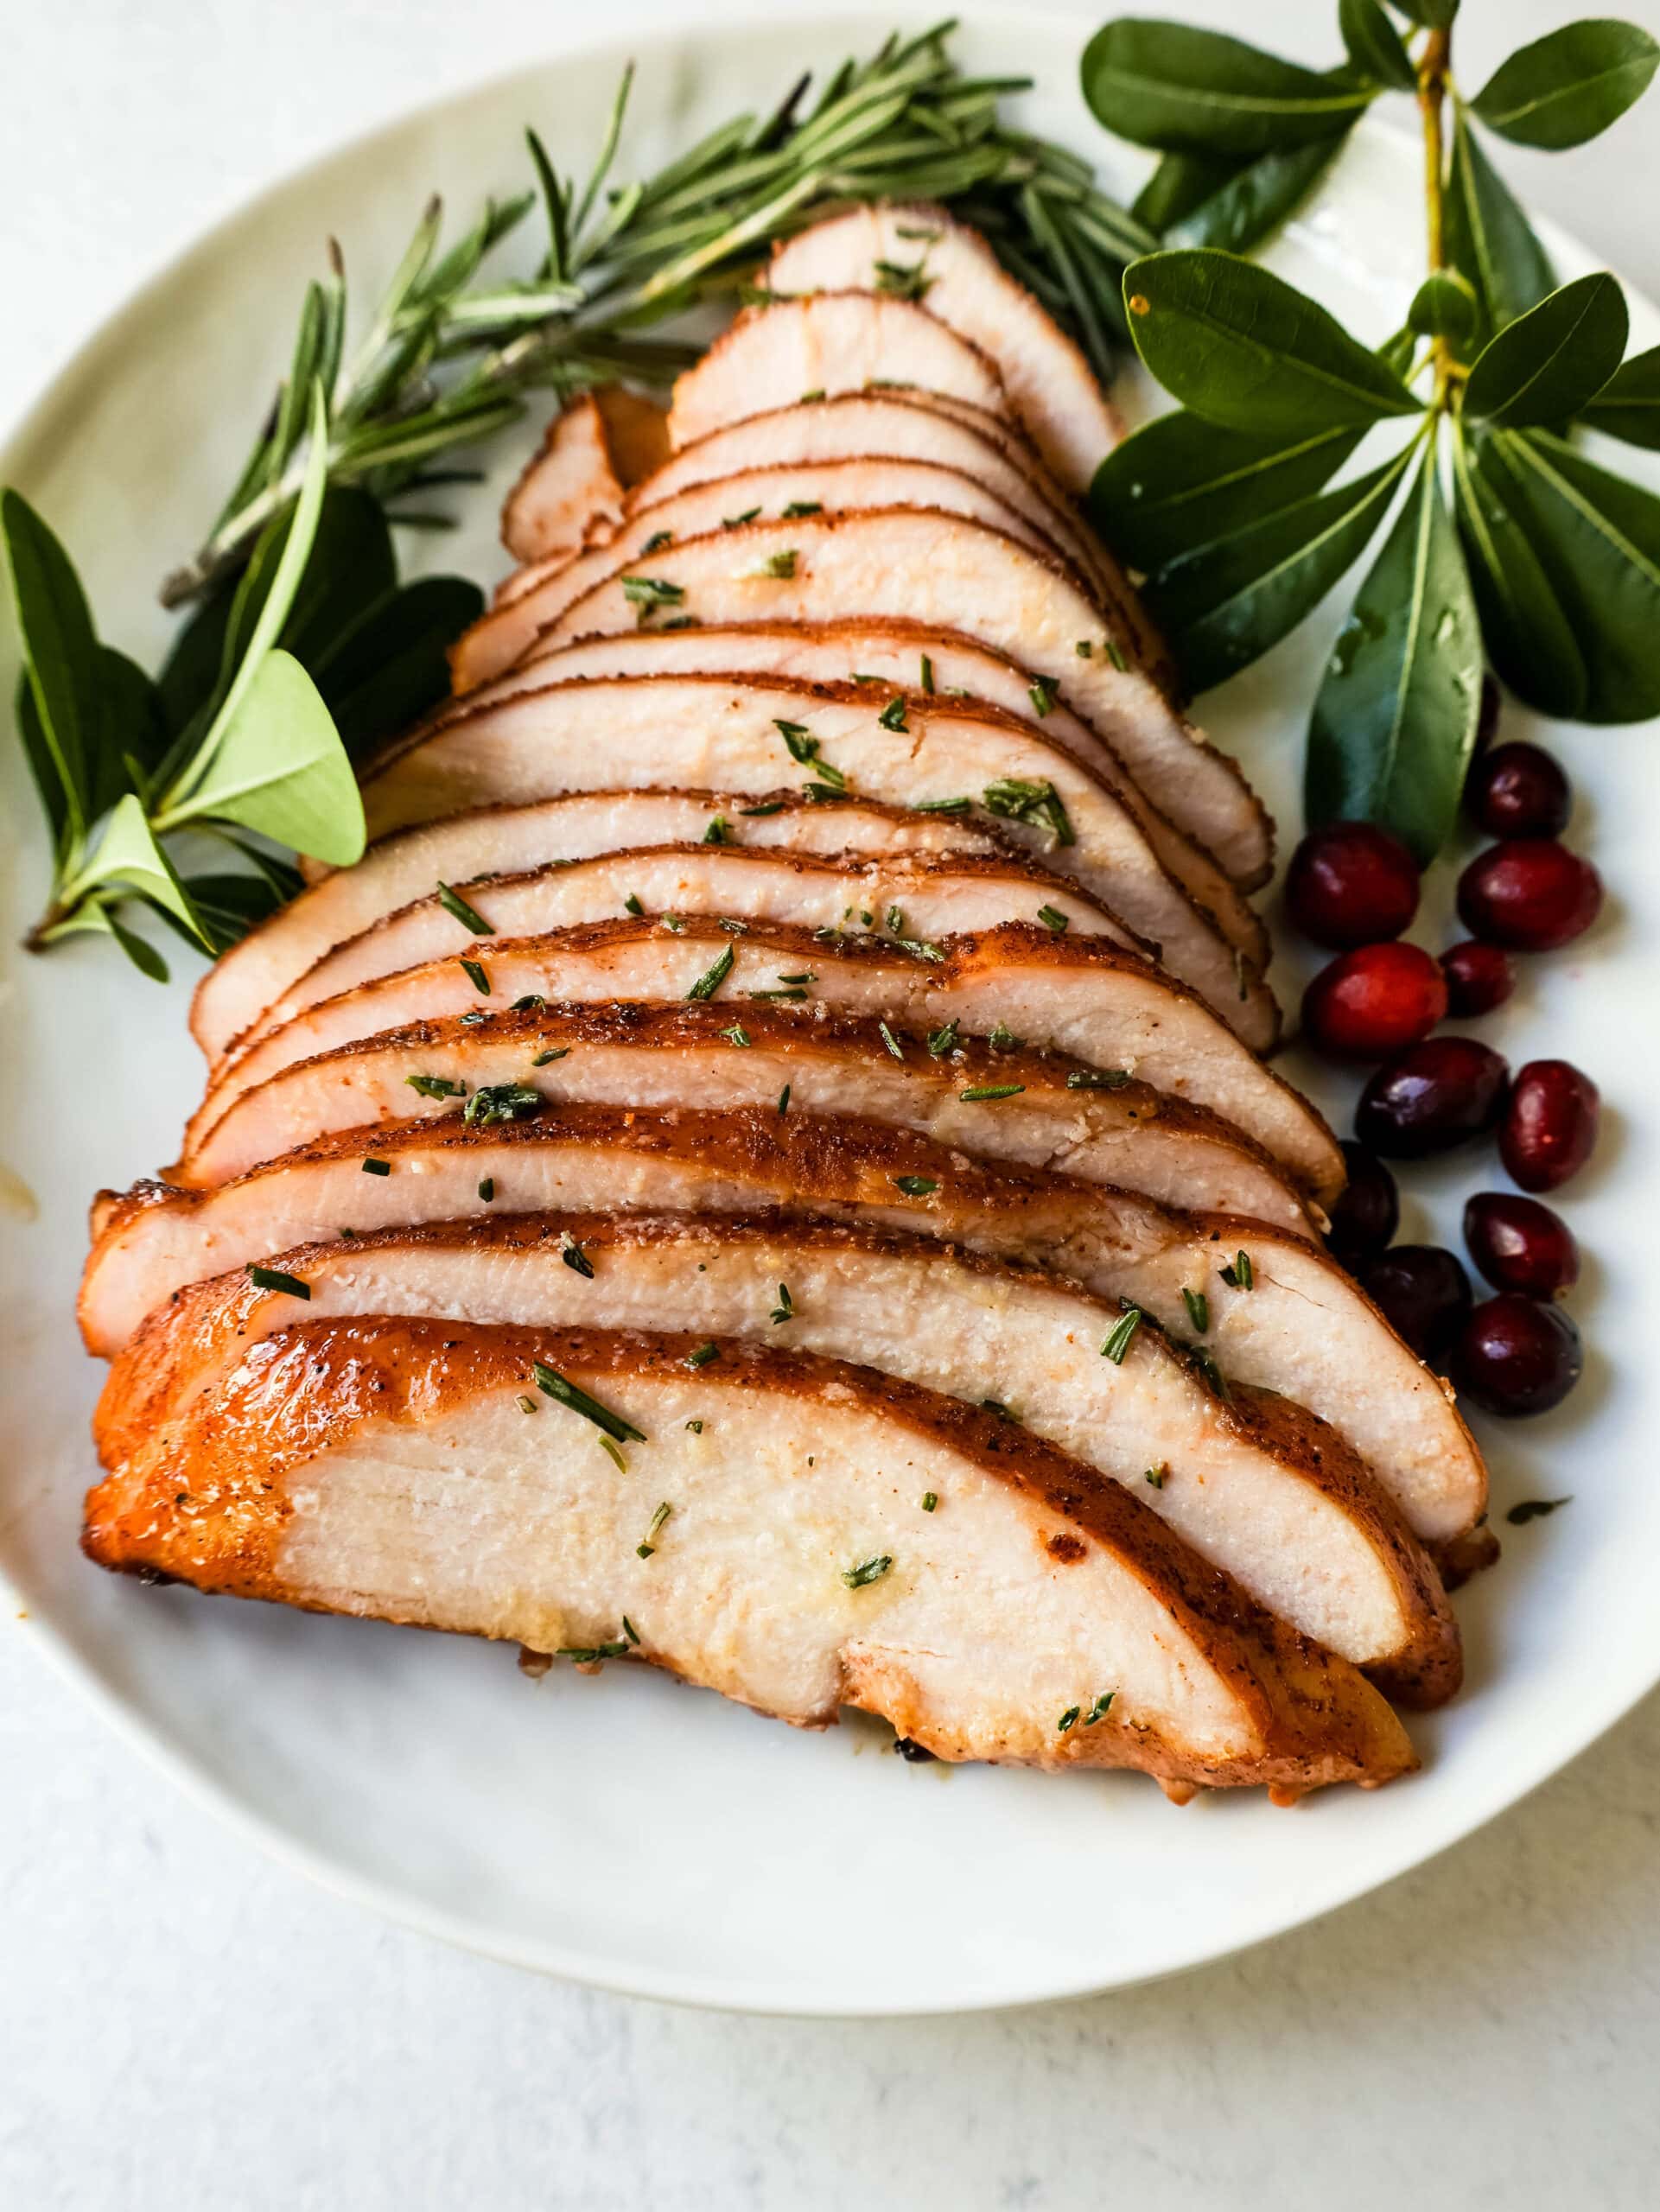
[[1122, 1336], [1240, 1274], [979, 1092], [436, 1086], [703, 1355], [785, 1309], [1098, 1078], [274, 1278], [565, 1393], [574, 1257], [713, 977], [501, 1102], [893, 714], [1199, 1310], [1053, 918], [916, 1186], [377, 1168], [1017, 799], [868, 1571], [476, 976]]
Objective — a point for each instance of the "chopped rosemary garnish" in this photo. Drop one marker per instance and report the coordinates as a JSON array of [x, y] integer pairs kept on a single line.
[[1003, 1039], [656, 542], [531, 999], [629, 1629], [673, 922], [574, 1257], [783, 1100], [927, 680], [788, 994], [891, 1040], [1003, 1413], [590, 1655], [712, 978], [1068, 1720], [683, 622], [1098, 1078], [436, 1086], [1100, 1709], [780, 564], [1241, 1275], [801, 979], [501, 1102], [476, 976], [895, 919], [772, 806], [808, 398], [785, 1309], [1122, 1337], [1536, 1508], [703, 1355], [1041, 691], [469, 916], [526, 1403], [1156, 1474], [916, 1186], [941, 1041], [1115, 655], [647, 594], [377, 1168], [1212, 1374], [476, 1019], [1018, 798], [488, 1188], [631, 905], [565, 1393], [645, 1550], [977, 1093], [901, 281], [868, 1570], [1084, 649], [554, 1053], [1199, 1310], [795, 508], [737, 522], [941, 805], [893, 714], [274, 1278], [719, 831], [1053, 918], [737, 1035]]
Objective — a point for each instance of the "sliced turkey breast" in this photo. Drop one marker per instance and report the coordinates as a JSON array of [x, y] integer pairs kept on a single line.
[[461, 848], [910, 897], [809, 349], [510, 627], [1057, 1112], [903, 426], [1030, 1611], [593, 449], [736, 733], [921, 251], [1079, 996], [1269, 1309], [917, 566], [1255, 1484], [898, 653]]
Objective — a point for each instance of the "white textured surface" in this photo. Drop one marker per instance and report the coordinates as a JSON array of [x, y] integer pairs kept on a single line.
[[181, 2025]]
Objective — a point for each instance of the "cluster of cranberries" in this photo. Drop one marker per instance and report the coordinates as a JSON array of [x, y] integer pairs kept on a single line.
[[1354, 888]]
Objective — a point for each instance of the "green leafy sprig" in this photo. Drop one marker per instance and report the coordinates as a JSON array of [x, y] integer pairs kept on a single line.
[[448, 354], [1507, 544], [244, 741]]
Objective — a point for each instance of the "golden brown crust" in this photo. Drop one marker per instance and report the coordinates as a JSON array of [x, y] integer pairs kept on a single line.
[[206, 1503]]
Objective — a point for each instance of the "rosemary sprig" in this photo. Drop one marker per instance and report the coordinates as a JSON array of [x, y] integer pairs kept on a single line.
[[448, 352]]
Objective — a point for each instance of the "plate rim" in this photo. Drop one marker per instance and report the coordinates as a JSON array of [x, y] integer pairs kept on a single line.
[[197, 1782]]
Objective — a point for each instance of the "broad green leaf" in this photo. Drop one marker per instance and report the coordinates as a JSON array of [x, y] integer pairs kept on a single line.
[[1255, 198], [1225, 605], [394, 665], [1374, 45], [1180, 183], [273, 613], [42, 767], [1398, 353], [228, 906], [1444, 306], [1628, 406], [1180, 483], [1522, 626], [1488, 237], [129, 856], [1550, 362], [279, 767], [143, 954], [1598, 539], [1197, 91], [1394, 719], [1248, 350], [1569, 85], [134, 725], [59, 657]]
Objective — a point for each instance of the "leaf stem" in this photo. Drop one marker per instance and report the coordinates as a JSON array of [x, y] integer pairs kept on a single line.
[[1435, 64]]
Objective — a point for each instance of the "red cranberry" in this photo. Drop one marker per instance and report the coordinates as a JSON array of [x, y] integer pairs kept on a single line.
[[1425, 1295], [1516, 1356], [1549, 1128], [1478, 978], [1517, 790], [1367, 1212], [1520, 1245], [1350, 883], [1530, 893], [1437, 1095], [1375, 1001]]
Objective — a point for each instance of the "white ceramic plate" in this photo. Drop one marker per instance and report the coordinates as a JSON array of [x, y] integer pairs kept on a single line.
[[624, 1830]]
